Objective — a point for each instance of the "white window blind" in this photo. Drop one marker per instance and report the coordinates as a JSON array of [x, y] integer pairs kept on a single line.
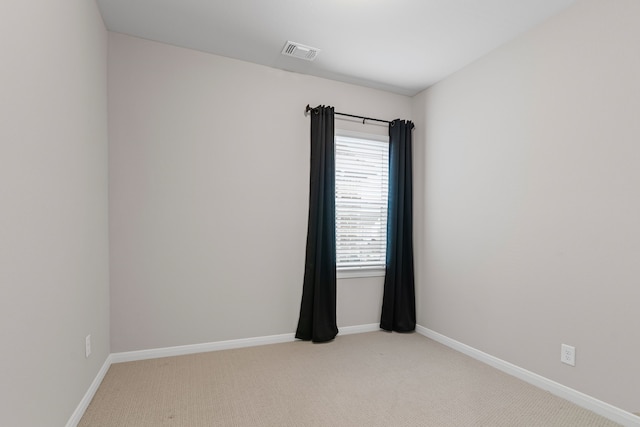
[[362, 182]]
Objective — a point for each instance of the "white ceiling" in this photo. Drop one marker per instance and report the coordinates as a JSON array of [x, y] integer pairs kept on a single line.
[[402, 46]]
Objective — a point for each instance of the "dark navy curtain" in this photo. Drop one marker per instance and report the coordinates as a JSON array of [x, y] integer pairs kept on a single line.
[[399, 301], [318, 308]]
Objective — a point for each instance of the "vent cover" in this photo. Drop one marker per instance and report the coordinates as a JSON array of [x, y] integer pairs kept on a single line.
[[300, 51]]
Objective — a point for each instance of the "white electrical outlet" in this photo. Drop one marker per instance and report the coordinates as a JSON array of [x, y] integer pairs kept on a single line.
[[568, 354], [87, 346]]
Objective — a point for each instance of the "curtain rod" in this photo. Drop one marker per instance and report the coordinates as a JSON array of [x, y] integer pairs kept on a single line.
[[306, 111]]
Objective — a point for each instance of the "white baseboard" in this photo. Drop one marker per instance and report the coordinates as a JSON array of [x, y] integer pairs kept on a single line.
[[84, 403], [130, 356], [591, 403]]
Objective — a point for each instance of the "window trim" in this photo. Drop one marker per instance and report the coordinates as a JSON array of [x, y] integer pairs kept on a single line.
[[360, 272], [354, 273]]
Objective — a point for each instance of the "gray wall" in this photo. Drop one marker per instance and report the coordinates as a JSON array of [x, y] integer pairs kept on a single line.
[[53, 207], [531, 232], [209, 172]]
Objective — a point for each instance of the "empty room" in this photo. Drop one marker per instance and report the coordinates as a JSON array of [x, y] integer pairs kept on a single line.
[[320, 213]]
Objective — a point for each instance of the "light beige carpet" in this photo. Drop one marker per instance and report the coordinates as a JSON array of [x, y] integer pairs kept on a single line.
[[372, 379]]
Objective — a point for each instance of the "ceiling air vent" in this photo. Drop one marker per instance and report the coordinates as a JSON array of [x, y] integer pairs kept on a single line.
[[300, 51]]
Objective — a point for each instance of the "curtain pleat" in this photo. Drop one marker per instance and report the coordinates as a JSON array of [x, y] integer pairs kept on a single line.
[[398, 302], [318, 308]]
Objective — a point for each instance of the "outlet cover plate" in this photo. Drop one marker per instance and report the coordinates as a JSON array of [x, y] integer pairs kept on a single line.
[[568, 354], [87, 346]]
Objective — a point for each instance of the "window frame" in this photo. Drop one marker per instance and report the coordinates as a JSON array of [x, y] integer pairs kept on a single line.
[[356, 271]]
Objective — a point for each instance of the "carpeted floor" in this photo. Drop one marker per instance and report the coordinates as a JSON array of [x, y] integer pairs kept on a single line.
[[371, 379]]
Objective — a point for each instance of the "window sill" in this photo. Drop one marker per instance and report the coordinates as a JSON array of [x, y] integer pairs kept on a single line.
[[360, 272]]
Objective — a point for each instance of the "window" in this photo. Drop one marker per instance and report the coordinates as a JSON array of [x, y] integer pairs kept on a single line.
[[362, 182]]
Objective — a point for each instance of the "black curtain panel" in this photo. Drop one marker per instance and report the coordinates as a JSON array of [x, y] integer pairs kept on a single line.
[[318, 308], [399, 301]]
